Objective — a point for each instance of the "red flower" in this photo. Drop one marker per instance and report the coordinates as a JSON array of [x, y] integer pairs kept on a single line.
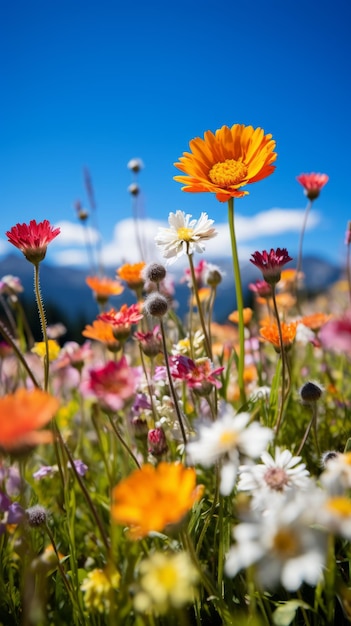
[[121, 321], [312, 184], [32, 239], [270, 263]]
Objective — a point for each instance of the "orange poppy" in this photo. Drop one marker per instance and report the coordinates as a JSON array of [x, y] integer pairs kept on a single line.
[[131, 273], [21, 415], [99, 331], [224, 161], [151, 498], [234, 316], [104, 287], [315, 321], [270, 333]]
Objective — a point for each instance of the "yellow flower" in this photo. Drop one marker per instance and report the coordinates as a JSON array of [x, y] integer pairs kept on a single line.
[[226, 160], [40, 349], [167, 582], [153, 497], [98, 588]]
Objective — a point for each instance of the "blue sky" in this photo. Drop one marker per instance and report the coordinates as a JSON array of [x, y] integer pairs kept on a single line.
[[97, 83]]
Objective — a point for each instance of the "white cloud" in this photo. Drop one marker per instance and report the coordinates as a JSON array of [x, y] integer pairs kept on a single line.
[[75, 234], [128, 239]]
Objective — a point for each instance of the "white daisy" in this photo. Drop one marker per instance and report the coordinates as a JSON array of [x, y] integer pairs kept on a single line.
[[228, 438], [285, 546], [185, 235], [273, 477], [337, 474]]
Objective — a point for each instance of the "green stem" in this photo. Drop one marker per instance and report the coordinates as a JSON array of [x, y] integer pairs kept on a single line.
[[122, 442], [299, 257], [199, 307], [170, 382], [5, 333], [239, 300], [43, 324], [283, 358], [84, 489]]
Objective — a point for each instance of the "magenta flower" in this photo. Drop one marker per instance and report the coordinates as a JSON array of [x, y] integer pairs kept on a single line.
[[262, 288], [112, 384], [198, 374], [336, 334], [312, 184], [32, 239], [271, 263]]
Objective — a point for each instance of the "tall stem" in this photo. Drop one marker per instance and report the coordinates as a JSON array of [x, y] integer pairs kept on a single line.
[[170, 382], [239, 300], [299, 257], [283, 358], [199, 307], [43, 324], [11, 341]]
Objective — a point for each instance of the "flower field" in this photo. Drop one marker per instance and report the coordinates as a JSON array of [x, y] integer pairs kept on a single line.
[[180, 471]]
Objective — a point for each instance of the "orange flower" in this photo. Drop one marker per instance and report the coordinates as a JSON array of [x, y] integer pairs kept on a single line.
[[204, 294], [224, 162], [104, 287], [151, 498], [234, 316], [132, 274], [100, 331], [270, 333], [21, 414], [315, 321]]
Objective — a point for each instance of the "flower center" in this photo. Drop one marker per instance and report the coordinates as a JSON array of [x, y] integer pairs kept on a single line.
[[285, 543], [340, 505], [228, 173], [167, 577], [228, 438], [276, 478], [184, 233]]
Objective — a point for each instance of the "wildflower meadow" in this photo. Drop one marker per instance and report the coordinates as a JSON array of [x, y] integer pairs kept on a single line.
[[176, 470]]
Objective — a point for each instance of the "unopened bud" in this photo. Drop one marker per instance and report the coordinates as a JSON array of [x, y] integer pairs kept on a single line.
[[156, 305]]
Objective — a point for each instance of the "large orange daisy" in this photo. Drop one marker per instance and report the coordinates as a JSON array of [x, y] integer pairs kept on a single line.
[[225, 161], [21, 415]]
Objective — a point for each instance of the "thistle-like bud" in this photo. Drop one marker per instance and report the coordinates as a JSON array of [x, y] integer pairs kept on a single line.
[[155, 272], [156, 305], [36, 515], [311, 392]]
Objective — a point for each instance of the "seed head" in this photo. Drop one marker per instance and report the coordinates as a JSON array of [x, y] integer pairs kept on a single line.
[[156, 305]]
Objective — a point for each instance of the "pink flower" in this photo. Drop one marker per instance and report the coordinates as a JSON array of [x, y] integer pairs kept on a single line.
[[198, 374], [271, 263], [32, 239], [336, 334], [150, 342], [112, 384], [312, 184], [122, 320], [262, 288]]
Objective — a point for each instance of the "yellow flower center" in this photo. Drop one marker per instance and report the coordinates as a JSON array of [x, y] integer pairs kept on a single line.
[[167, 576], [228, 438], [340, 505], [184, 233], [228, 173], [285, 543]]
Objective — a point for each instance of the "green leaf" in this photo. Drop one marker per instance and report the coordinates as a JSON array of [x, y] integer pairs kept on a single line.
[[285, 613]]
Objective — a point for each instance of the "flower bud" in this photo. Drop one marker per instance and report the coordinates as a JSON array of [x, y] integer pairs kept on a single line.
[[155, 272], [36, 515], [311, 392], [157, 443], [156, 305]]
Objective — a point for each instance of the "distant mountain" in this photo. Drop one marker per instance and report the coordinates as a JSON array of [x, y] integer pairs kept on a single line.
[[65, 289]]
